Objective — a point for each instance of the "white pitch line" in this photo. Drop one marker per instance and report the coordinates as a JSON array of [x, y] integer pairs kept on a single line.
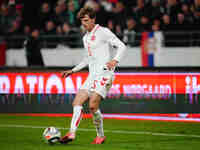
[[108, 131]]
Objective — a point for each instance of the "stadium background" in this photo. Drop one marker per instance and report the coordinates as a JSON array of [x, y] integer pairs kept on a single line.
[[154, 101], [162, 38]]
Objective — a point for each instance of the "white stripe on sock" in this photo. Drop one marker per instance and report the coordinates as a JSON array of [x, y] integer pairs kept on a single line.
[[77, 112], [98, 122]]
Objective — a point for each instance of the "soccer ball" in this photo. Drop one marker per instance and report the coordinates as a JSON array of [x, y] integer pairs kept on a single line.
[[51, 135]]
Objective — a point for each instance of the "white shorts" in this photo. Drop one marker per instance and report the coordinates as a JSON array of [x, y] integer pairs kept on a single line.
[[99, 84]]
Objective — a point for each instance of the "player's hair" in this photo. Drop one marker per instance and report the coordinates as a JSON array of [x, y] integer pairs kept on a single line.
[[87, 11]]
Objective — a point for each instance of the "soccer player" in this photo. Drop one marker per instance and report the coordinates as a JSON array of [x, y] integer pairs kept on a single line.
[[98, 43]]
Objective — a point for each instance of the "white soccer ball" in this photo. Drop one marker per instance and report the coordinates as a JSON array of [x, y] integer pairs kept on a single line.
[[51, 135]]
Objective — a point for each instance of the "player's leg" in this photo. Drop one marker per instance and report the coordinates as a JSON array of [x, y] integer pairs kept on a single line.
[[81, 97], [101, 89], [94, 102]]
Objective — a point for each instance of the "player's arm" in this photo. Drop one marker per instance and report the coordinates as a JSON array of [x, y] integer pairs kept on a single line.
[[77, 68], [116, 43]]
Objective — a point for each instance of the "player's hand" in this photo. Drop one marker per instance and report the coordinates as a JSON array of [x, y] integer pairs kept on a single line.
[[66, 73], [111, 64]]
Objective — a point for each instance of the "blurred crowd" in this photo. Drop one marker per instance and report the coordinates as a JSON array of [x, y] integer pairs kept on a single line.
[[59, 17]]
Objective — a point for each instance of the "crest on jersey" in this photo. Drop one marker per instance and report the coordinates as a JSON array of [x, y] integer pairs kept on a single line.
[[93, 38]]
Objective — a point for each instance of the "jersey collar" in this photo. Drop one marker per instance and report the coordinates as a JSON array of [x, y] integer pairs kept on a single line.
[[94, 29]]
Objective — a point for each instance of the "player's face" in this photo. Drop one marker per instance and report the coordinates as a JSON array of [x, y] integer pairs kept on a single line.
[[87, 23]]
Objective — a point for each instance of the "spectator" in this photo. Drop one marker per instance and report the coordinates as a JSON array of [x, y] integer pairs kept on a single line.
[[6, 19], [173, 15], [110, 25], [157, 22], [59, 17], [13, 39], [71, 13], [19, 15], [15, 28], [50, 28], [72, 36], [66, 28], [66, 32], [155, 28], [144, 24], [140, 10], [27, 30], [181, 23], [89, 3], [50, 32], [187, 13], [158, 37], [62, 5], [119, 31], [172, 8], [119, 15], [33, 53], [129, 33], [196, 11], [157, 9], [101, 14], [106, 5], [167, 25], [59, 30], [44, 15]]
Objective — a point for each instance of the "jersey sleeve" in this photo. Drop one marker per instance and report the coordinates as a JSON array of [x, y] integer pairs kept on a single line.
[[81, 65], [114, 42]]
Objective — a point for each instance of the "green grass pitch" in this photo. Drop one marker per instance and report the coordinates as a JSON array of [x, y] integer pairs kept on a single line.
[[25, 133]]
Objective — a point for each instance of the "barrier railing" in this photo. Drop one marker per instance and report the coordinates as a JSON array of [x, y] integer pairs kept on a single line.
[[171, 39]]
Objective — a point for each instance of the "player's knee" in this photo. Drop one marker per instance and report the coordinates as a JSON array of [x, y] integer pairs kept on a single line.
[[75, 103]]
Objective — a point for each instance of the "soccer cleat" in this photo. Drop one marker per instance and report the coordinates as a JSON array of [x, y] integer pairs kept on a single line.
[[99, 140], [69, 137]]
